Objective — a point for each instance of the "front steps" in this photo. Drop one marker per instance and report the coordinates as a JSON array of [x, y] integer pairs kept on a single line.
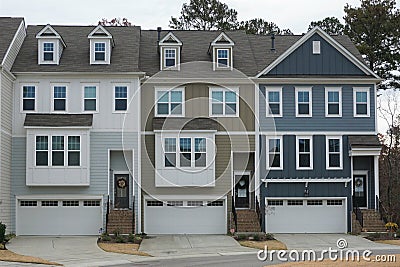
[[372, 221], [247, 221], [120, 221]]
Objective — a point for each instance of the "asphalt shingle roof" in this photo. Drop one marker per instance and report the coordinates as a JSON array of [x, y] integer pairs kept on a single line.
[[9, 27], [59, 120], [75, 57], [364, 141]]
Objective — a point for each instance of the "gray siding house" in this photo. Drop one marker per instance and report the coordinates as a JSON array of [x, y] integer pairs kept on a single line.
[[75, 131]]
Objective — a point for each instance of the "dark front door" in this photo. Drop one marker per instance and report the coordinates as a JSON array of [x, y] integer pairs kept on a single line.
[[121, 191], [360, 191], [242, 196]]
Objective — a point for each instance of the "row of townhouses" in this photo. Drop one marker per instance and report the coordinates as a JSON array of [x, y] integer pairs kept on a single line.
[[172, 132]]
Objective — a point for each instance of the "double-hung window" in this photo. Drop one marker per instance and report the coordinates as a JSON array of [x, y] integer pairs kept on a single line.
[[99, 51], [334, 152], [90, 98], [53, 151], [274, 153], [361, 99], [48, 52], [74, 148], [200, 152], [169, 102], [57, 150], [304, 153], [303, 102], [224, 102], [169, 57], [42, 151], [28, 97], [223, 58], [59, 98], [185, 152], [273, 97], [169, 152], [120, 98], [333, 102]]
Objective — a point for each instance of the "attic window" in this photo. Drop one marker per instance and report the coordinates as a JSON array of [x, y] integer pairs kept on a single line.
[[99, 51], [48, 51], [316, 47], [169, 57], [223, 58]]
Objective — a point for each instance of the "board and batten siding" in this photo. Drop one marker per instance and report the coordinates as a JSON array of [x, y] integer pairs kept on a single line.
[[15, 46], [100, 144], [302, 61], [318, 121]]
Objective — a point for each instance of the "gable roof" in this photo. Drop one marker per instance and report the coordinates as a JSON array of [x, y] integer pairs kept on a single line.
[[170, 39], [9, 27], [317, 30], [75, 57], [49, 32], [222, 39]]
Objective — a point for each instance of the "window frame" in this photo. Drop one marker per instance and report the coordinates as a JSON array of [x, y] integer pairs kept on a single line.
[[224, 103], [29, 98], [228, 58], [165, 49], [169, 90], [310, 137], [316, 47], [73, 150], [97, 98], [267, 152], [310, 100], [48, 150], [127, 98], [53, 98], [267, 109], [44, 61], [333, 89], [355, 91], [94, 52], [327, 153]]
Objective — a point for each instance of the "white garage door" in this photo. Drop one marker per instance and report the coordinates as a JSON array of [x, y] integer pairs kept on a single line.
[[185, 217], [305, 216], [59, 217]]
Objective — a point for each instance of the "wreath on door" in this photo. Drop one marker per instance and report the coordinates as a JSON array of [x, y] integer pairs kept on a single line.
[[121, 183], [242, 184], [359, 182]]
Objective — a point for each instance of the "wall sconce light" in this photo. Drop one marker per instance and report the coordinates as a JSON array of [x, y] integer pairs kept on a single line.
[[306, 192]]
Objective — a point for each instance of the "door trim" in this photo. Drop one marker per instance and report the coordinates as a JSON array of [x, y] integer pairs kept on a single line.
[[114, 173], [241, 173], [355, 173]]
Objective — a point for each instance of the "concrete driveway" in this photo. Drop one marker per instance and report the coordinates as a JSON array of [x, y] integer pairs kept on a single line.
[[184, 245], [320, 242], [70, 251]]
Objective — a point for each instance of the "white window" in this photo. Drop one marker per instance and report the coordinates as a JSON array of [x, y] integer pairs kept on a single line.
[[185, 152], [90, 98], [273, 98], [120, 98], [169, 57], [361, 100], [274, 153], [28, 98], [316, 47], [334, 157], [56, 156], [48, 52], [223, 58], [304, 153], [303, 102], [333, 102], [59, 98], [224, 102], [170, 102], [99, 51]]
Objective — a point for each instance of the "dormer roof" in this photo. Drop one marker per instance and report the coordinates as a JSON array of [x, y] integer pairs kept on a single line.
[[170, 39], [101, 33], [222, 39], [50, 32]]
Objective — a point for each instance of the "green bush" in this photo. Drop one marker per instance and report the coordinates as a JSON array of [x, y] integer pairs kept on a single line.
[[105, 237], [241, 237], [269, 237], [120, 239], [138, 240], [256, 237], [131, 238], [2, 233], [117, 233]]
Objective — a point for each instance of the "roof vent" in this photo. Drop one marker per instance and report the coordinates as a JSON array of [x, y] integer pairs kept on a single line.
[[273, 42]]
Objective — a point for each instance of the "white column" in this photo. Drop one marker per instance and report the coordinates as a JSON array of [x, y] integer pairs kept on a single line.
[[376, 175]]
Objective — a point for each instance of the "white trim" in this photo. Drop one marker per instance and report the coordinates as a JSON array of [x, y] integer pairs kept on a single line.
[[360, 173], [327, 38], [166, 37], [185, 197], [222, 35], [310, 180], [316, 80], [96, 85], [127, 85], [303, 89], [212, 89], [310, 137], [273, 89], [58, 197], [169, 90], [333, 89], [257, 93], [280, 138], [228, 58], [20, 27], [316, 47], [376, 182], [99, 27], [35, 85], [355, 91], [57, 35], [177, 57], [365, 151], [311, 132], [241, 173], [52, 97], [327, 138]]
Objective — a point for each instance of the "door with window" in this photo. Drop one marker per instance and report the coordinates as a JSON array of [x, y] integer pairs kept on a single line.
[[360, 191], [242, 192], [121, 191]]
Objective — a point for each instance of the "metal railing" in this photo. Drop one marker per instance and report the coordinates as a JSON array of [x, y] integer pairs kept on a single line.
[[108, 212], [258, 211], [133, 215], [359, 216], [382, 210], [234, 213]]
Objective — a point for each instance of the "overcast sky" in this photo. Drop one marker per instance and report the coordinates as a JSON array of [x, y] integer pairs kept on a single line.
[[293, 14]]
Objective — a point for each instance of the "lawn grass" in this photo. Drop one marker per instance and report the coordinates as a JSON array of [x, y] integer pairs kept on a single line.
[[271, 244], [7, 255], [131, 249]]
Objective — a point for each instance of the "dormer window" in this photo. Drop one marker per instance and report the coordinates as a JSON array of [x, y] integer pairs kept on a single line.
[[221, 50], [101, 43], [50, 46], [170, 50]]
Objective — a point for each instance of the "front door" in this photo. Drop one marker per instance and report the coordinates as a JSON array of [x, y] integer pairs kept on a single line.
[[121, 191], [242, 198], [360, 191]]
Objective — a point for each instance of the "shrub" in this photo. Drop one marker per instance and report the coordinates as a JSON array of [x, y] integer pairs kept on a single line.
[[117, 232], [138, 240], [131, 238], [256, 237], [120, 239], [2, 233], [241, 237], [269, 237], [105, 237]]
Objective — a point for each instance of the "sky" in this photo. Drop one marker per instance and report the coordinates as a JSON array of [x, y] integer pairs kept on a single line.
[[293, 14]]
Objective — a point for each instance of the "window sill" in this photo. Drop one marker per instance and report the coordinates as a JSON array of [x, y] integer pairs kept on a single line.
[[303, 116], [275, 169], [334, 168], [332, 116], [169, 115], [361, 116], [120, 112], [304, 168], [274, 116], [224, 116]]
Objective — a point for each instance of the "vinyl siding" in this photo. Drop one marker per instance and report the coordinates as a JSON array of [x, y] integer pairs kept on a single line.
[[367, 164], [318, 121]]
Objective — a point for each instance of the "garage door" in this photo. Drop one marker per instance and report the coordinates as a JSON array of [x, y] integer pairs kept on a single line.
[[59, 217], [306, 216], [185, 217]]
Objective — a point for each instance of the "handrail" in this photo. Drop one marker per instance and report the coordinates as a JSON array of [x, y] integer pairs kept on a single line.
[[359, 216], [382, 210], [133, 215], [234, 213], [108, 212], [258, 211]]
